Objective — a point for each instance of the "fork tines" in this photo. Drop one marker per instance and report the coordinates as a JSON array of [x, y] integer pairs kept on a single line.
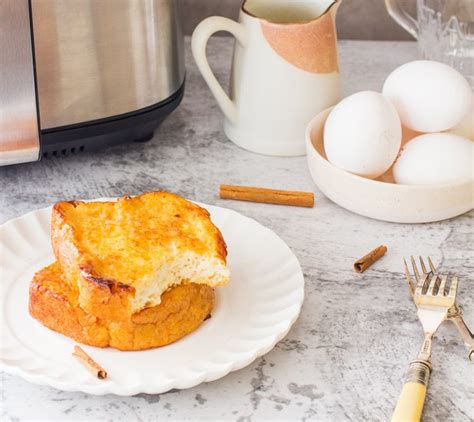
[[429, 284], [409, 279], [418, 277]]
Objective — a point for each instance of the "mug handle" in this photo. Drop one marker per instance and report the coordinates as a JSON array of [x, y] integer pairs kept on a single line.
[[400, 16], [200, 37]]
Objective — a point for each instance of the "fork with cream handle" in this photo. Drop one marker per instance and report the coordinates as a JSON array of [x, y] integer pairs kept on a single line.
[[433, 298]]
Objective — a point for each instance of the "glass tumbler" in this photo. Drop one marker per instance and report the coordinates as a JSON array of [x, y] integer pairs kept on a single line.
[[444, 30]]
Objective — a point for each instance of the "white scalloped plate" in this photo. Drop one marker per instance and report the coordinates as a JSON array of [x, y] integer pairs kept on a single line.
[[253, 312]]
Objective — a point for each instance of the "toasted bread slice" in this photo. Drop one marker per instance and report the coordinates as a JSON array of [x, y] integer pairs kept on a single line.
[[122, 256], [54, 302]]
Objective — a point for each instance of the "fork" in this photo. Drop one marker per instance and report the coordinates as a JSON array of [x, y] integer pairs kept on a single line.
[[433, 300], [454, 313]]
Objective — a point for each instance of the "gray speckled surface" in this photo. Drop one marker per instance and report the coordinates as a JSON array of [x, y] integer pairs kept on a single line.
[[346, 356]]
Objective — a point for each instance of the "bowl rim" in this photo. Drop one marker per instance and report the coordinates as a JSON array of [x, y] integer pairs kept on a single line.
[[311, 149]]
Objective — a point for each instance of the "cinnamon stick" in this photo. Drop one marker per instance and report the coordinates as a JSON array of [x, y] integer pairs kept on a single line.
[[366, 261], [89, 363], [268, 196]]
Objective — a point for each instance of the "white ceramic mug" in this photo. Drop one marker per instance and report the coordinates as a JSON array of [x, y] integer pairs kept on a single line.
[[284, 72]]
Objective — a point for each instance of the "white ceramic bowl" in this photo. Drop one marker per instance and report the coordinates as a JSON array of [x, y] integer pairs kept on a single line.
[[382, 199]]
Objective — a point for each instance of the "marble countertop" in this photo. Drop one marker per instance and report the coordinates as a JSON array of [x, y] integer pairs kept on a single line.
[[346, 356]]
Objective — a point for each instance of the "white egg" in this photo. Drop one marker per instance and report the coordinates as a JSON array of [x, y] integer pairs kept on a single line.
[[433, 159], [429, 96], [465, 127], [362, 134]]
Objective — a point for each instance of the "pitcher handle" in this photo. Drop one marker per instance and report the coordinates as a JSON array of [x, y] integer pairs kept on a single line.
[[200, 37], [402, 17]]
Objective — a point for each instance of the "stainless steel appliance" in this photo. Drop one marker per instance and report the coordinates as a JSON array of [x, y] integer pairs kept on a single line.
[[84, 74]]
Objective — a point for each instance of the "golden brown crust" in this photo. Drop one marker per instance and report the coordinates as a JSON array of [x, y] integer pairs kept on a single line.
[[107, 248], [54, 302]]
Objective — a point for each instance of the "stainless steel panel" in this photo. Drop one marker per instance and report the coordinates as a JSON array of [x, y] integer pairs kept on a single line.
[[19, 137], [100, 58]]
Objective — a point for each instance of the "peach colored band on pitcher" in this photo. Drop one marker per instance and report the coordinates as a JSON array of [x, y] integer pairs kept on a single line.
[[309, 46]]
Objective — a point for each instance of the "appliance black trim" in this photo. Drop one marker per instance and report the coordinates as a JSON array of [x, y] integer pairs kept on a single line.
[[136, 126]]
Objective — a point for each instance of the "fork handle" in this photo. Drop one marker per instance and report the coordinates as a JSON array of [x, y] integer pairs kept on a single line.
[[412, 398]]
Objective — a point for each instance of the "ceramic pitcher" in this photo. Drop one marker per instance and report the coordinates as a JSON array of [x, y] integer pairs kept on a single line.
[[284, 71]]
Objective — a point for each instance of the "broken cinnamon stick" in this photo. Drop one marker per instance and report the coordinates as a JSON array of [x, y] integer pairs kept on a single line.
[[366, 261], [268, 196], [89, 363]]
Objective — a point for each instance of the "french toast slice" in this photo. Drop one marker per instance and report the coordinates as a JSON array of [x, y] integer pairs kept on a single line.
[[54, 302], [123, 255]]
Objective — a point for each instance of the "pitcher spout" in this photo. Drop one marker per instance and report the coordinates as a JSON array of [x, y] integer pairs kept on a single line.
[[332, 8]]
